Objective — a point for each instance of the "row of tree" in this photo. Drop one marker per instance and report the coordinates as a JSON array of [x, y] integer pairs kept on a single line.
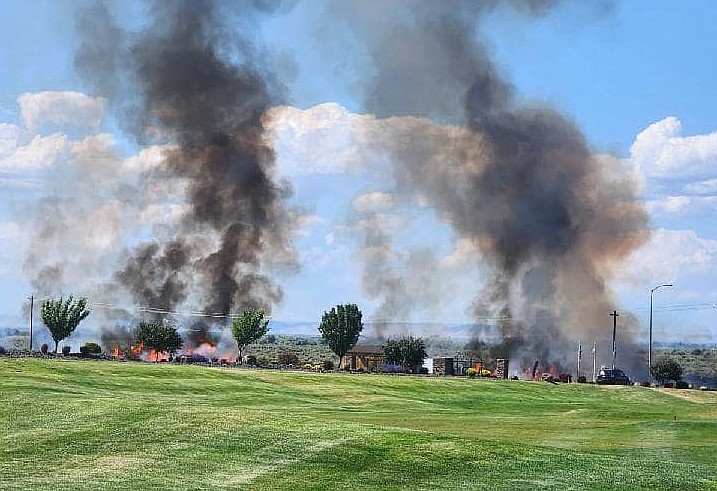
[[63, 316], [340, 329]]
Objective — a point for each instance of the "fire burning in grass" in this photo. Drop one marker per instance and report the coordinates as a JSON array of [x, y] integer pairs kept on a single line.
[[205, 352]]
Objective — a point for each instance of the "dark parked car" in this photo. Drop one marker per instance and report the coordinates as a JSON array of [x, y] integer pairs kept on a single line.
[[612, 376]]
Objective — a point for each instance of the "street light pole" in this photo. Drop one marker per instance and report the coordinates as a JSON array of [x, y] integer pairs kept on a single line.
[[649, 352]]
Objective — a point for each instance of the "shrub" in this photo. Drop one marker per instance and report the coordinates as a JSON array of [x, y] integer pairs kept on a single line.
[[471, 372], [250, 360], [65, 350], [286, 357], [328, 365], [582, 379], [44, 348], [681, 384], [2, 350], [90, 349]]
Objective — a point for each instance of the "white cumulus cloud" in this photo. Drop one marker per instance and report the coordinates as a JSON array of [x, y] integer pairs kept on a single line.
[[60, 108], [328, 139], [9, 135], [41, 152], [661, 151], [670, 256], [321, 140], [708, 186], [682, 204], [678, 173]]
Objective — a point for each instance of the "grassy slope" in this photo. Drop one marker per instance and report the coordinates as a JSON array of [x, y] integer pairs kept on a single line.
[[100, 425]]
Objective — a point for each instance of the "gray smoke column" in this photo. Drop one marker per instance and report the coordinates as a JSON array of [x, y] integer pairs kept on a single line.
[[550, 218], [152, 275], [194, 80], [401, 280]]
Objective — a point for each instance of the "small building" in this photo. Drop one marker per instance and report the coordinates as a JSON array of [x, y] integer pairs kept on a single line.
[[451, 366], [364, 357], [443, 366]]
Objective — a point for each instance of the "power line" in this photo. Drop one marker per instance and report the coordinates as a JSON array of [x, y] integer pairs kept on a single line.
[[680, 307]]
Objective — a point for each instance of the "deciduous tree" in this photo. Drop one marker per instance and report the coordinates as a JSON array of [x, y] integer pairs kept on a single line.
[[340, 328], [159, 337], [249, 327], [63, 316], [666, 369], [409, 352]]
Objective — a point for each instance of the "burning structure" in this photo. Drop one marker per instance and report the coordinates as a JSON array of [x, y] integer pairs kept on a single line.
[[518, 182]]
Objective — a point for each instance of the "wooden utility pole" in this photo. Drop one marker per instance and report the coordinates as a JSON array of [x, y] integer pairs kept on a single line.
[[614, 316], [32, 302]]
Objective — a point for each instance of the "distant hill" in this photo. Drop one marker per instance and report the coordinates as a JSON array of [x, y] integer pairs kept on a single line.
[[386, 329]]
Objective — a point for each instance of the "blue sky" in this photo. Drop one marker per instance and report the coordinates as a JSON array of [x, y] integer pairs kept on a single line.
[[637, 78]]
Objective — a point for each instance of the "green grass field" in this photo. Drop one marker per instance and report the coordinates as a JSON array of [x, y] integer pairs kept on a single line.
[[88, 425]]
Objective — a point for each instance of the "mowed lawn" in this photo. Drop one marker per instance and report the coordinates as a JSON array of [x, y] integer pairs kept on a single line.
[[87, 425]]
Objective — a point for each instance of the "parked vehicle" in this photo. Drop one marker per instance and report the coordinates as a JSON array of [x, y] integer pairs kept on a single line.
[[612, 376]]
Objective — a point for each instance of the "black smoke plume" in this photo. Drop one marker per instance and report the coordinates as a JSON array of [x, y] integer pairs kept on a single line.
[[194, 80], [549, 217], [119, 337], [151, 275]]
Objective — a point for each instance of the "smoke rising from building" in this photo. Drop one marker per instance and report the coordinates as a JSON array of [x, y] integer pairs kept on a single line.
[[549, 217]]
